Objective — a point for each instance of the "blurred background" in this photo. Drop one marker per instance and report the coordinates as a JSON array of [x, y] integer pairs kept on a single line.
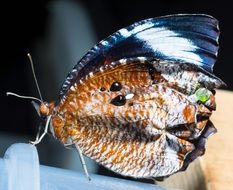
[[58, 33]]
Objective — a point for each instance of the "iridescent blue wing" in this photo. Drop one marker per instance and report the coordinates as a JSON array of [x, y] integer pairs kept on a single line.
[[184, 38]]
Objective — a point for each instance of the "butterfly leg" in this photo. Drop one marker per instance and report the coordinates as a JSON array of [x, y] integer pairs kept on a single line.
[[84, 166], [40, 137], [38, 132]]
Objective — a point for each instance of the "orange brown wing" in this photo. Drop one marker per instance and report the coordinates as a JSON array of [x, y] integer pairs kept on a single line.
[[132, 119]]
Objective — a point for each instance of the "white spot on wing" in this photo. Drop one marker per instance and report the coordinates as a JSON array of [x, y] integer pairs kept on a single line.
[[101, 69], [91, 74], [72, 88], [123, 61], [125, 33], [129, 96], [104, 42]]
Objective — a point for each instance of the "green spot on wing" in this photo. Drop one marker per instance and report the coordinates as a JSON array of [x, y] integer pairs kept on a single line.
[[203, 94]]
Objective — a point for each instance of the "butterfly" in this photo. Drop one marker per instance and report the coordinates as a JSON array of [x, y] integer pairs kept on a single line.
[[139, 101]]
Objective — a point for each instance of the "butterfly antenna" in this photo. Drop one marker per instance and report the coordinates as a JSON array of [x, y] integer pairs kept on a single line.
[[24, 97], [34, 75]]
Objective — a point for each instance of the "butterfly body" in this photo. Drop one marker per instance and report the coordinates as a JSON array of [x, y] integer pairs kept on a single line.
[[139, 102]]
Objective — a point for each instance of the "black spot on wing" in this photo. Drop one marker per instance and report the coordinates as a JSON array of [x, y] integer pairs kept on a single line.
[[116, 86], [119, 100]]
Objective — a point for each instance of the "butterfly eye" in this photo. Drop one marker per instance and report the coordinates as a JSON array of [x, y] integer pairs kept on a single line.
[[119, 100], [203, 94], [116, 86]]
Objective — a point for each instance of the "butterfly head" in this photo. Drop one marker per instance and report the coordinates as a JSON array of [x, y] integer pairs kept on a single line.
[[46, 109]]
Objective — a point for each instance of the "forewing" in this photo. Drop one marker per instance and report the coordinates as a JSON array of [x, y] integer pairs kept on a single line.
[[191, 39]]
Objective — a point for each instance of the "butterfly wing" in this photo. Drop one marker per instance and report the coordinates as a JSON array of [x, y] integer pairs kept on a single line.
[[120, 117], [130, 102], [184, 38]]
